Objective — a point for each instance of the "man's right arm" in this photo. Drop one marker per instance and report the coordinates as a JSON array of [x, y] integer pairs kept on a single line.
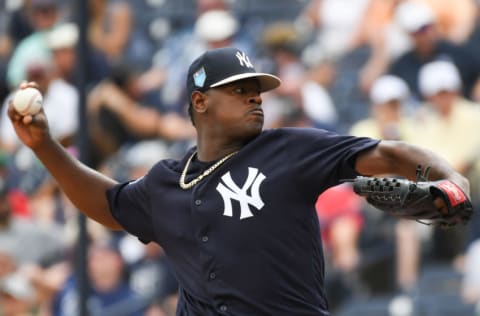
[[85, 187]]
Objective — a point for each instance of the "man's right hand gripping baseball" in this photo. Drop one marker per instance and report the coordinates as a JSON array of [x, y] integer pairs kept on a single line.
[[85, 187]]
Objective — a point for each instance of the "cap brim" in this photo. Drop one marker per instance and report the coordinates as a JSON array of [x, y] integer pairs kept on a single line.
[[267, 81]]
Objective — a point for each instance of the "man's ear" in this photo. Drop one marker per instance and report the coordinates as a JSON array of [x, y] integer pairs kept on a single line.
[[199, 102]]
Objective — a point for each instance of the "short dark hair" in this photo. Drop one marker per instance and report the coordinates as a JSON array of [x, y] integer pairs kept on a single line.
[[190, 112]]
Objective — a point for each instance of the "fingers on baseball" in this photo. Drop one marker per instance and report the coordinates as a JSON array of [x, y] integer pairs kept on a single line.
[[16, 117], [28, 119], [12, 113], [26, 84]]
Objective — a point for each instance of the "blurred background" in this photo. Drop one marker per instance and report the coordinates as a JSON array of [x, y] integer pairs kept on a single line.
[[389, 69]]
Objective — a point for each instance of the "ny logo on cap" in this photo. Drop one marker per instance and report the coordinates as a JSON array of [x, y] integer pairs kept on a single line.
[[199, 77], [244, 60]]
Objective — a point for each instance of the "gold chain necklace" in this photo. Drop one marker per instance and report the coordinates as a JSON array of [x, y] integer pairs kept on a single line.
[[186, 186]]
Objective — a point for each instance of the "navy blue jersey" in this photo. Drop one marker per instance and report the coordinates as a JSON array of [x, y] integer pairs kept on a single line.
[[245, 240]]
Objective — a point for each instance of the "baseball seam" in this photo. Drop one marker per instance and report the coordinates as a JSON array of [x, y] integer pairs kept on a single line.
[[29, 104]]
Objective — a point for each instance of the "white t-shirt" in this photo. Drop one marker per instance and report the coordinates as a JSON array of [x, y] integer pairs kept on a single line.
[[318, 104], [339, 21]]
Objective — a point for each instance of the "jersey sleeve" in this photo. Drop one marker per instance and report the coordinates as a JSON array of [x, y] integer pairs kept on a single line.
[[321, 158], [129, 205]]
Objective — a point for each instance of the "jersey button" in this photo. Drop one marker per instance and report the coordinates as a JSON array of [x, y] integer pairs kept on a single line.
[[198, 202], [212, 275], [223, 308], [205, 238]]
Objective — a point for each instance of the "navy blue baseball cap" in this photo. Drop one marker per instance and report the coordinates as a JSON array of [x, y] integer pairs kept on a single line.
[[220, 66]]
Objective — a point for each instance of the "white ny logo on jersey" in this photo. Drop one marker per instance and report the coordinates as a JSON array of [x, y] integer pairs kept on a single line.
[[244, 60], [233, 192]]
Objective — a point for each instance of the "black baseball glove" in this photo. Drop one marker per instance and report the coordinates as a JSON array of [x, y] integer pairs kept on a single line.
[[415, 200]]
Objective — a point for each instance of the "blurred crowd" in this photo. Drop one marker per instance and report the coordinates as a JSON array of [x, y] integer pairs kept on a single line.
[[389, 69]]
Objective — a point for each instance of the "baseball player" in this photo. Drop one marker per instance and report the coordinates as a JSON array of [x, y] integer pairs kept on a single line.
[[236, 214]]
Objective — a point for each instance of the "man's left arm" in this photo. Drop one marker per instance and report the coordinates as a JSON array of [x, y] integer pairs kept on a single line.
[[402, 159]]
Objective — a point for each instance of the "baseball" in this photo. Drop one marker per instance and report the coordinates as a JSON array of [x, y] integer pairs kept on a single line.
[[28, 101]]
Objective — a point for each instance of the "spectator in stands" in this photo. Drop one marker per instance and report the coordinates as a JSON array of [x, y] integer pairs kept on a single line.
[[334, 23], [315, 95], [385, 39], [111, 37], [62, 41], [388, 41], [109, 294], [45, 14], [117, 115], [19, 22], [339, 212], [389, 111], [454, 23], [24, 246], [473, 45], [284, 107], [215, 26], [445, 118], [110, 27], [420, 22]]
